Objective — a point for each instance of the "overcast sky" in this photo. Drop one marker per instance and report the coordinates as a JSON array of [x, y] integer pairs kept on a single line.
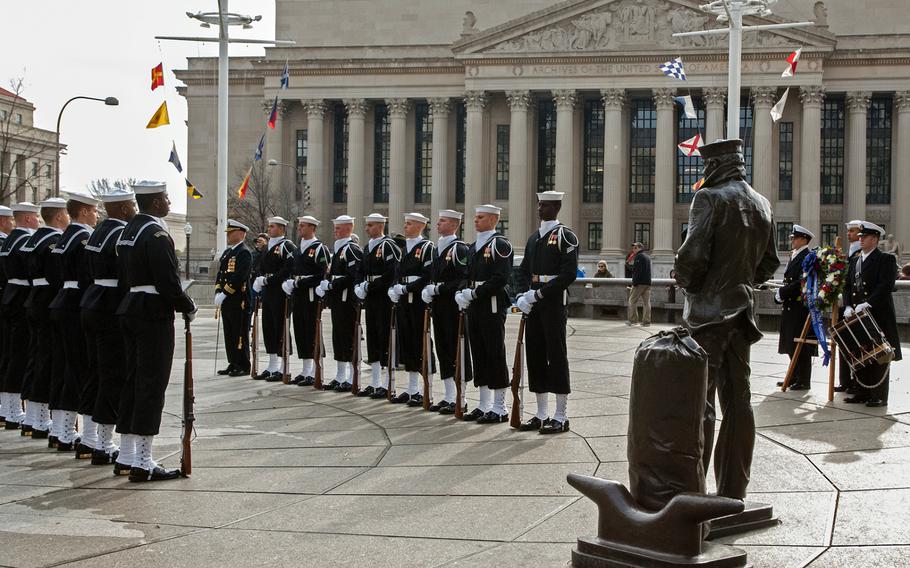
[[107, 48]]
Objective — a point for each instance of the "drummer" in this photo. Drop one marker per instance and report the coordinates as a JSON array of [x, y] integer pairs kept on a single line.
[[870, 281]]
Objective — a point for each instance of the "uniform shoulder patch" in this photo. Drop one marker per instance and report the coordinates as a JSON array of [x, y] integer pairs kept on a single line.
[[502, 246], [162, 233], [567, 236]]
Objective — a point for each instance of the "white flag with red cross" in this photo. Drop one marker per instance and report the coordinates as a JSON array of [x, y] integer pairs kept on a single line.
[[690, 147]]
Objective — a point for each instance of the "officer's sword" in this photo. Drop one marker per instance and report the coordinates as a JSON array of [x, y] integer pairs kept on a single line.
[[217, 339]]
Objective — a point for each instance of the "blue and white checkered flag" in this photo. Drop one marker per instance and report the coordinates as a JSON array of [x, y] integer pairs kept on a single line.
[[674, 68]]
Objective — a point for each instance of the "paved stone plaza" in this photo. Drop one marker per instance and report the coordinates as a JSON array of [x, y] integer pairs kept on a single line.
[[287, 476]]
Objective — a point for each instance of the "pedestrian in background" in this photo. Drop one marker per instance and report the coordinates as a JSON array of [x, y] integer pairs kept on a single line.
[[641, 286]]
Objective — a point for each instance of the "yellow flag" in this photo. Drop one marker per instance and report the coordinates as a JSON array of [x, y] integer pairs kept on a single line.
[[160, 118]]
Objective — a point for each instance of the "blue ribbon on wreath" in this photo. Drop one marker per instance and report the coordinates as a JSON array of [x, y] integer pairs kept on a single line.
[[818, 324]]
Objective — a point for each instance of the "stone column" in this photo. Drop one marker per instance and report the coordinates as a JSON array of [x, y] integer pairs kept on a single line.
[[565, 100], [439, 194], [762, 148], [810, 158], [398, 162], [316, 178], [664, 175], [519, 187], [900, 201], [357, 110], [475, 104], [715, 97], [616, 198], [855, 198], [274, 147]]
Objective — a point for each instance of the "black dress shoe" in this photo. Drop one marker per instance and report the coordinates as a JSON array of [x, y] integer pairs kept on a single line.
[[876, 402], [11, 425], [26, 431], [138, 475], [262, 376], [416, 400], [554, 427], [295, 380], [307, 382], [100, 457], [66, 446], [380, 392], [532, 424], [367, 391], [438, 406], [800, 387], [239, 373], [473, 415], [275, 377], [856, 400], [120, 469], [330, 386], [343, 387], [850, 390], [84, 452], [450, 408], [840, 388], [226, 371], [40, 434], [401, 398], [52, 442], [493, 418]]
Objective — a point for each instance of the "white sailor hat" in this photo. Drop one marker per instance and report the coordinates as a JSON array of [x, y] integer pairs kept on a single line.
[[800, 231], [488, 209], [5, 211], [149, 187], [451, 214], [309, 219], [416, 217], [375, 218], [53, 203], [550, 195], [233, 225], [118, 194], [343, 220], [277, 220], [854, 224], [25, 207], [81, 198], [871, 229]]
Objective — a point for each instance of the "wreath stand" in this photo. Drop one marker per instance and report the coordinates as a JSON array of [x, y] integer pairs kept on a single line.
[[801, 340]]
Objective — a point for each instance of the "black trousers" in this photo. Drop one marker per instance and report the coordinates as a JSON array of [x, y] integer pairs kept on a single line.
[[17, 363], [42, 354], [802, 372], [59, 362], [235, 318], [77, 359], [149, 351], [487, 331], [343, 313], [305, 324], [729, 370], [106, 345], [870, 375], [379, 319], [445, 334], [273, 305], [410, 334], [545, 347]]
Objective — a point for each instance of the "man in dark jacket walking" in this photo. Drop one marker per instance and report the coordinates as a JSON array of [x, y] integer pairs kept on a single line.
[[641, 286]]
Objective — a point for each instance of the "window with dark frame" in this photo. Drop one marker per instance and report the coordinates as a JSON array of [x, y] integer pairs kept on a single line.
[[785, 161], [745, 133], [642, 151], [595, 235], [546, 145], [783, 236], [461, 134], [502, 161], [829, 232], [641, 233], [502, 226], [832, 151], [688, 168], [593, 167], [423, 159], [381, 144], [340, 155], [302, 153], [878, 151]]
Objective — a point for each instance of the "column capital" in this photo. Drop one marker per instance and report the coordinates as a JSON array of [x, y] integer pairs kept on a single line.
[[267, 107], [315, 108], [475, 100], [565, 99], [663, 98], [714, 96], [357, 108], [398, 107], [812, 95], [764, 96], [858, 101], [614, 99], [519, 100], [902, 101], [440, 107]]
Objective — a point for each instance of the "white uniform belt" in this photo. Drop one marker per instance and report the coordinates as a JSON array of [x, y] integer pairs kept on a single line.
[[543, 278], [337, 276], [40, 282], [74, 284], [19, 282], [147, 289], [374, 277], [409, 279], [106, 282], [479, 283], [299, 278]]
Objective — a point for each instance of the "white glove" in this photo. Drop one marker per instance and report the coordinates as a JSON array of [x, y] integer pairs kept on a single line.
[[848, 312], [360, 290], [219, 299], [393, 294], [320, 292], [427, 294], [523, 305], [400, 289], [464, 298], [288, 287], [326, 286], [191, 315], [258, 284], [863, 307], [777, 296], [530, 297]]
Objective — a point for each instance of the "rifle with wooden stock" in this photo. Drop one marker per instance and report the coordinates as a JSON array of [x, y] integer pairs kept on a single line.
[[317, 347], [286, 343], [254, 344], [518, 383], [355, 350], [459, 368], [427, 353], [393, 331], [186, 457]]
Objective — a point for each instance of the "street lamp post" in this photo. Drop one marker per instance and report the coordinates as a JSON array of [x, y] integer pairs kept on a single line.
[[109, 101], [187, 230]]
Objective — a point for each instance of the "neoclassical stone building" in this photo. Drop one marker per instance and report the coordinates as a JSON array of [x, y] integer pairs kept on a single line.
[[396, 106]]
